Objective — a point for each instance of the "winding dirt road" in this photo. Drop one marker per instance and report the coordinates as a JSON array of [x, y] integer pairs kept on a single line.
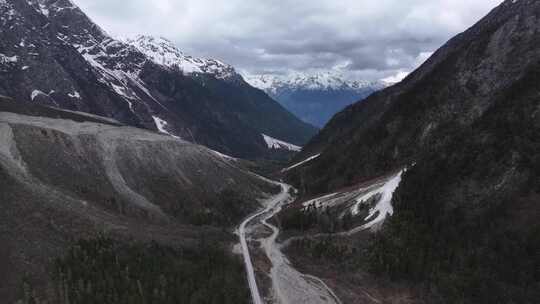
[[289, 286]]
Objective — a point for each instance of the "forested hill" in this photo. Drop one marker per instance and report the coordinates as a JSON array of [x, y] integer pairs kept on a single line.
[[466, 124]]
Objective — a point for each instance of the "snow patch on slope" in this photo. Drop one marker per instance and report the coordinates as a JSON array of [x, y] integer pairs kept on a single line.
[[36, 93], [75, 95], [122, 78], [383, 207], [161, 124], [277, 144], [379, 194], [224, 156], [8, 59], [301, 163]]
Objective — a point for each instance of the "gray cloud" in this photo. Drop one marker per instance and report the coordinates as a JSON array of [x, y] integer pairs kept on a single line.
[[369, 39]]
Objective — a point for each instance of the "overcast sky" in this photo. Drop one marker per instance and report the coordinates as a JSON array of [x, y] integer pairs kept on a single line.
[[367, 39]]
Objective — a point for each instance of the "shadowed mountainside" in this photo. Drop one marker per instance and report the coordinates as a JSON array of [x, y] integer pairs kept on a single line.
[[466, 123]]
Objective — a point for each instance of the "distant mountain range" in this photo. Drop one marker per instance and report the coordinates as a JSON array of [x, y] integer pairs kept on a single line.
[[52, 54], [316, 97]]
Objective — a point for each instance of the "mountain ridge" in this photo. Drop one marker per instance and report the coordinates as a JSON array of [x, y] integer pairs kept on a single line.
[[315, 97], [53, 54], [314, 81], [163, 52]]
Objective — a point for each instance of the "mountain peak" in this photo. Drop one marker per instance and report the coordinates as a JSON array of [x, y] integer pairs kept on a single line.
[[164, 52], [52, 54], [327, 80], [314, 97]]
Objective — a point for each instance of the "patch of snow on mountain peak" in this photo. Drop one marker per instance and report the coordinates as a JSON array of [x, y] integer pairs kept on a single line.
[[329, 80], [263, 82], [46, 7], [163, 52]]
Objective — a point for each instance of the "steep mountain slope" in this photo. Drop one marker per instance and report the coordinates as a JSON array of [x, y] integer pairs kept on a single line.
[[315, 98], [453, 89], [66, 175], [52, 54], [466, 123]]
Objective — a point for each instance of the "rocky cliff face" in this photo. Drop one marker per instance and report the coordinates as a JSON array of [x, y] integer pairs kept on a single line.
[[51, 53], [466, 124]]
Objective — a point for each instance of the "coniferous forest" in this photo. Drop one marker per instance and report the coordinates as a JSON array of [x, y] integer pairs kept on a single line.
[[103, 270]]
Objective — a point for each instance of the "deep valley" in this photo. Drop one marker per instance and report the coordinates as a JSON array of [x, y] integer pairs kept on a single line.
[[134, 173]]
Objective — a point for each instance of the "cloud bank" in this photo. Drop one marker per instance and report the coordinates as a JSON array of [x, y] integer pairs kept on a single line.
[[364, 38]]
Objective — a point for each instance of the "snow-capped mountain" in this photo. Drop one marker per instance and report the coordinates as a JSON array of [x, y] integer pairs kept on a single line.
[[163, 52], [316, 97], [51, 53], [303, 81]]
